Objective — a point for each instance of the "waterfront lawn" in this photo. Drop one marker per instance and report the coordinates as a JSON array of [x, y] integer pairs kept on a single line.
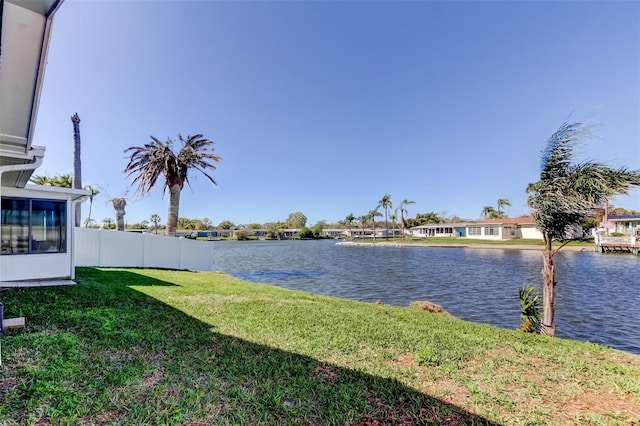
[[587, 242], [135, 346]]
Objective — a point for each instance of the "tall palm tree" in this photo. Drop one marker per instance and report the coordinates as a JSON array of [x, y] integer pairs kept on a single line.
[[565, 196], [77, 163], [386, 203], [349, 222], [156, 158], [93, 193], [155, 219], [394, 220], [503, 202], [372, 217], [403, 211], [362, 220]]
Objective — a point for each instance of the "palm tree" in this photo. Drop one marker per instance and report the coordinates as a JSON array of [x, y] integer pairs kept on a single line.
[[564, 197], [394, 220], [119, 205], [107, 223], [155, 219], [503, 202], [372, 217], [349, 222], [386, 203], [156, 158], [93, 193], [62, 181], [488, 212], [40, 180], [362, 220], [77, 163], [403, 211]]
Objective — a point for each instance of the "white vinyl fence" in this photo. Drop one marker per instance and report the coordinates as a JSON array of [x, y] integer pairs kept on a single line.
[[97, 247]]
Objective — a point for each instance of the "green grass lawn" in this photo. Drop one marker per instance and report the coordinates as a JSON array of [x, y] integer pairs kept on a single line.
[[471, 241], [135, 346]]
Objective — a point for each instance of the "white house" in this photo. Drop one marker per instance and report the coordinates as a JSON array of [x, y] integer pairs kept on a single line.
[[36, 228], [438, 230], [625, 224], [504, 229]]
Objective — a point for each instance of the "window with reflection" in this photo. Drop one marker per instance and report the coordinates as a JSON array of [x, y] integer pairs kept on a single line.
[[30, 226]]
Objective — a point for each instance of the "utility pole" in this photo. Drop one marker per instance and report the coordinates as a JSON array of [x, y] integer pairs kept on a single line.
[[77, 163]]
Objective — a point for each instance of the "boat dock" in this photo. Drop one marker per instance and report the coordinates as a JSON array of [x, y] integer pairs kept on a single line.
[[626, 244]]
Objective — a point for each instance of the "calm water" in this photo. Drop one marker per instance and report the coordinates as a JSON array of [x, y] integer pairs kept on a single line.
[[597, 296]]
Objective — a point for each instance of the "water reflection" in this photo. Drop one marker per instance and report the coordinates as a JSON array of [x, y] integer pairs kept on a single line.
[[597, 295]]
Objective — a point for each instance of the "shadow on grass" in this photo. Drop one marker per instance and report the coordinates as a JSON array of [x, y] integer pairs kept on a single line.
[[102, 353]]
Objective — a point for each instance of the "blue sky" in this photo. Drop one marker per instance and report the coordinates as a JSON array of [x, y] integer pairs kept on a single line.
[[323, 107]]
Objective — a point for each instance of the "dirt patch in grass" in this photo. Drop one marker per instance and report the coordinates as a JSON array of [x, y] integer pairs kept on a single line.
[[404, 360], [153, 379], [605, 402], [7, 384], [622, 358], [326, 373], [106, 417]]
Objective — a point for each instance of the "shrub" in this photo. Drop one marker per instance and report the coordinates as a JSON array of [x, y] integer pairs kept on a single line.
[[530, 309]]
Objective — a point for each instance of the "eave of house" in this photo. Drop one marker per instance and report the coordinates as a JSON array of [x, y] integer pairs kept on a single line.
[[25, 30]]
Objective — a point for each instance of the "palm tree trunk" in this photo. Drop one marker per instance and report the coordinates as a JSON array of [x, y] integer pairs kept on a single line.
[[119, 205], [386, 225], [77, 164], [172, 213], [548, 290]]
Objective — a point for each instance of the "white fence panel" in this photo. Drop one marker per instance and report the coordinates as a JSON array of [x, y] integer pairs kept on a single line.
[[95, 247], [86, 248], [161, 251], [121, 249], [196, 255]]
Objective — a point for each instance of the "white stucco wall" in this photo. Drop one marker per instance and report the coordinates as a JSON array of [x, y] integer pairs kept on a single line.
[[530, 231], [19, 267]]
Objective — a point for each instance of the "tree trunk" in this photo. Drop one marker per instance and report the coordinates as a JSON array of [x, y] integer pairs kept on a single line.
[[119, 205], [174, 208], [77, 164], [548, 290]]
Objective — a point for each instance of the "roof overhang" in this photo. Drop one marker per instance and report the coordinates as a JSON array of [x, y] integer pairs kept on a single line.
[[25, 30]]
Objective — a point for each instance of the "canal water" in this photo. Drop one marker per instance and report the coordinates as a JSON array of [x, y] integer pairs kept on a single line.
[[597, 296]]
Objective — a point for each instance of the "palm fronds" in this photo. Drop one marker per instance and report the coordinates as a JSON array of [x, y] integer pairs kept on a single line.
[[530, 310]]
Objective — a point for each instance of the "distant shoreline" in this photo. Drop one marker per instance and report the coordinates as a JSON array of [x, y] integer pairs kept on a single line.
[[465, 246]]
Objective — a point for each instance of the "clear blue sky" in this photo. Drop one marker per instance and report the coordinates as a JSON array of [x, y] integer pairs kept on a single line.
[[323, 107]]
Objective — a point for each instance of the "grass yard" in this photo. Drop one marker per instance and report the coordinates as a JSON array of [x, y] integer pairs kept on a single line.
[[588, 242], [135, 346]]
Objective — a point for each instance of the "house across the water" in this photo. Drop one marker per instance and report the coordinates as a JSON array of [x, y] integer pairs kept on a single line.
[[625, 224], [488, 229]]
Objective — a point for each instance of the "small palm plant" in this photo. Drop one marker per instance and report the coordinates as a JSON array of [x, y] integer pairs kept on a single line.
[[530, 309]]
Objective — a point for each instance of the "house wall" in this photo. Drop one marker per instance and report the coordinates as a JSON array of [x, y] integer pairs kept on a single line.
[[98, 247], [18, 267], [487, 232], [627, 227], [438, 230], [529, 231]]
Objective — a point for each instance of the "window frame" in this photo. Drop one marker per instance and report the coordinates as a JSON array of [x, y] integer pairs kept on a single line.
[[61, 243]]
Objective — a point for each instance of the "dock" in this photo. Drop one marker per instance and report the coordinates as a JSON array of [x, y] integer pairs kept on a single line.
[[626, 244]]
